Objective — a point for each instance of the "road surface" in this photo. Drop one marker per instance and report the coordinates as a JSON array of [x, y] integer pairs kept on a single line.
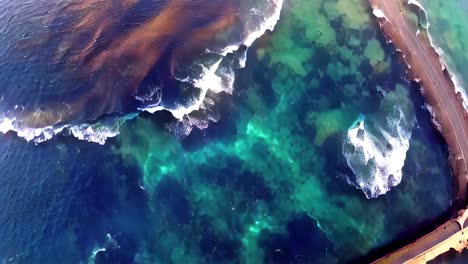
[[452, 234]]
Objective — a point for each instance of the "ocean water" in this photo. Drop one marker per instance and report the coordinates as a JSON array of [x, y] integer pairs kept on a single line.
[[449, 32], [92, 65], [319, 150]]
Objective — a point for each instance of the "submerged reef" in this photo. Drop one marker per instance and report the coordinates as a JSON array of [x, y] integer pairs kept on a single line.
[[274, 160]]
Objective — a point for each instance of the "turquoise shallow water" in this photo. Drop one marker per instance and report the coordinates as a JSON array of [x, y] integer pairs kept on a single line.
[[323, 153], [449, 32]]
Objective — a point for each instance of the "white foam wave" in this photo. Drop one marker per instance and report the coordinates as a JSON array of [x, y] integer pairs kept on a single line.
[[377, 158], [97, 132], [269, 17], [36, 134], [94, 133], [110, 243], [207, 81]]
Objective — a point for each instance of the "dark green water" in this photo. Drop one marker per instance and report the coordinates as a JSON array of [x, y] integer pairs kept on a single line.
[[283, 176]]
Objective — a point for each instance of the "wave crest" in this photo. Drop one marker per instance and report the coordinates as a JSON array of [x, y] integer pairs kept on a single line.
[[375, 149]]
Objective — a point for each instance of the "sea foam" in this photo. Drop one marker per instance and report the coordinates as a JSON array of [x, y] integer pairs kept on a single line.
[[375, 149]]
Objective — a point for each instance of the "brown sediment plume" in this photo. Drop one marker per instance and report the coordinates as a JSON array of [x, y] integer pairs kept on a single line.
[[426, 67], [199, 38], [114, 60]]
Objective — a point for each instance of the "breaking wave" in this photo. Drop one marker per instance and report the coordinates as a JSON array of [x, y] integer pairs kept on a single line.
[[375, 149], [197, 86]]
